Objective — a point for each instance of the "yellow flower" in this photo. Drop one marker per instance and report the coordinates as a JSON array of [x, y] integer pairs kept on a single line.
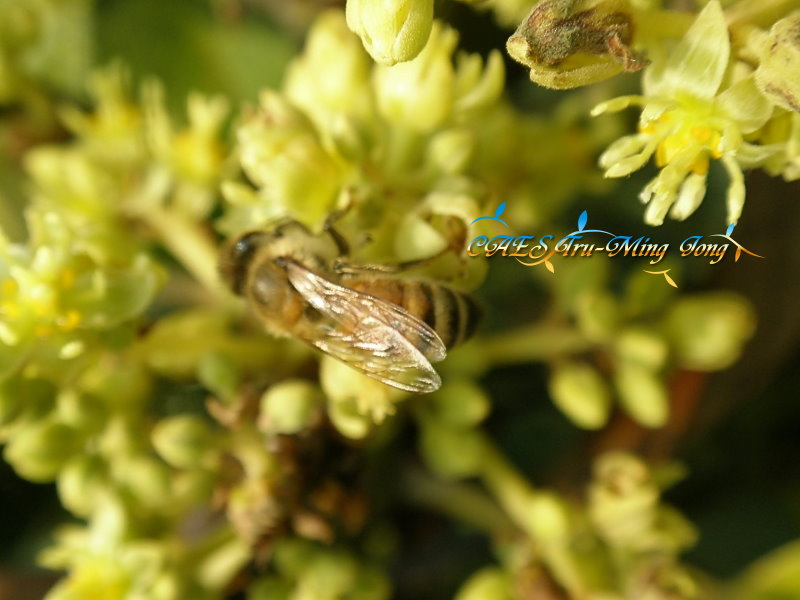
[[686, 121]]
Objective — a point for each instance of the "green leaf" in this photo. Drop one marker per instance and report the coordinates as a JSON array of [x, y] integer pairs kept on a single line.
[[182, 43]]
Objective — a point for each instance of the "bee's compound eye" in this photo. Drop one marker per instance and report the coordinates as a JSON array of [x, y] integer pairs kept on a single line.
[[244, 247], [237, 259]]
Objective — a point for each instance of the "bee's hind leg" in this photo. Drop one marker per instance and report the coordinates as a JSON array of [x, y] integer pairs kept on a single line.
[[344, 267]]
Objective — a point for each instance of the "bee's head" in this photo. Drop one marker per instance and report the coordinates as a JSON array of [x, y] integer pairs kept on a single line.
[[237, 256]]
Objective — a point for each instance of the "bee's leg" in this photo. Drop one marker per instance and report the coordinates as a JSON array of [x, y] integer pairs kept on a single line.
[[342, 247], [328, 227], [346, 268]]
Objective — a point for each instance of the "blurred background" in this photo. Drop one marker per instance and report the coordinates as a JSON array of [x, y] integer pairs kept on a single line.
[[737, 432]]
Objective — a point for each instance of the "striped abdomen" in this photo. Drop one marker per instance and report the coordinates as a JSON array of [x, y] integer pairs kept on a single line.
[[452, 314]]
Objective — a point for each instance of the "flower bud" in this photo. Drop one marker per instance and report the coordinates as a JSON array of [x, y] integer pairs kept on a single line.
[[582, 394], [82, 411], [778, 73], [708, 331], [39, 452], [348, 419], [642, 394], [453, 452], [147, 479], [219, 373], [622, 499], [490, 583], [430, 75], [289, 407], [80, 482], [184, 441], [329, 574], [460, 403], [355, 401], [478, 88], [393, 30], [643, 347], [567, 44], [120, 437], [217, 569], [548, 518]]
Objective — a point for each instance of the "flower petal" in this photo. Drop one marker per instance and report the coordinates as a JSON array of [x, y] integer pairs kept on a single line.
[[690, 196], [698, 63], [745, 104], [736, 191]]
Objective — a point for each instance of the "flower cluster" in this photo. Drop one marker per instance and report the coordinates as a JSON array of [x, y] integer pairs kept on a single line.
[[129, 375]]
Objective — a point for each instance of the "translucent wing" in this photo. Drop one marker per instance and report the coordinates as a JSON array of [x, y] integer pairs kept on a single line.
[[372, 335]]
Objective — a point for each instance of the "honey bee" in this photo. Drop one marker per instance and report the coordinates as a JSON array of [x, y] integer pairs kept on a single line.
[[391, 328]]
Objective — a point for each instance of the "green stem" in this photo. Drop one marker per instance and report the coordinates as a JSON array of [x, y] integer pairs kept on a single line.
[[459, 500], [536, 343], [541, 515], [510, 488], [191, 245]]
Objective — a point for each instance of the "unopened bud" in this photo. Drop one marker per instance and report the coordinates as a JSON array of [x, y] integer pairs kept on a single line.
[[490, 583], [392, 31], [80, 482], [642, 394], [708, 331], [642, 347], [569, 43], [453, 452], [460, 403], [219, 373], [289, 406], [39, 452], [184, 441], [778, 73], [581, 394]]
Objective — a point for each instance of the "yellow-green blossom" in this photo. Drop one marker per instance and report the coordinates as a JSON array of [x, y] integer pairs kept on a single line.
[[694, 110], [58, 287], [112, 133], [193, 155]]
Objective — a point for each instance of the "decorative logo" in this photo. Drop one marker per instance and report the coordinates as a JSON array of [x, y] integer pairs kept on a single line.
[[529, 251]]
